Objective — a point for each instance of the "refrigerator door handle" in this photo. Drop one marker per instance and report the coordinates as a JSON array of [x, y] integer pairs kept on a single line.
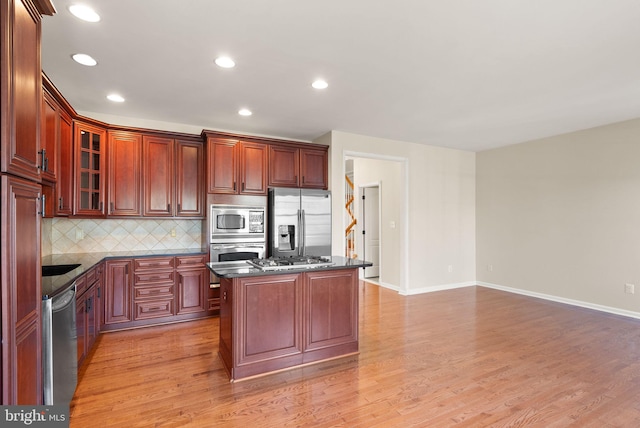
[[303, 234]]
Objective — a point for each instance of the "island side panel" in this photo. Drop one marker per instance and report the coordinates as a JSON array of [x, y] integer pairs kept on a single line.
[[268, 323], [225, 347], [331, 314]]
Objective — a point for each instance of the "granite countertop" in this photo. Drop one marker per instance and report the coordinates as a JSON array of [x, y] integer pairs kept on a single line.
[[227, 270], [52, 284]]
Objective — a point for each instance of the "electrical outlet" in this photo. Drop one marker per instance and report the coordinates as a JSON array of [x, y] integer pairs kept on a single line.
[[490, 268], [79, 234], [629, 288], [450, 268], [173, 233]]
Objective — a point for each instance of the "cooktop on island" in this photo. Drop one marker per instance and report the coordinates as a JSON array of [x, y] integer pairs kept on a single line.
[[293, 262]]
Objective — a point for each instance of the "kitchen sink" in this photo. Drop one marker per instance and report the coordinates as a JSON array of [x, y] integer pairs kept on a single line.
[[53, 270]]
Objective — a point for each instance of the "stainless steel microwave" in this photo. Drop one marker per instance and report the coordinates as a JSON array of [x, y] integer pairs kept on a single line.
[[237, 223]]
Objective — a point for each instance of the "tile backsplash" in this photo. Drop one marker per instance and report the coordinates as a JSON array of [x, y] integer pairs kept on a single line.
[[105, 235]]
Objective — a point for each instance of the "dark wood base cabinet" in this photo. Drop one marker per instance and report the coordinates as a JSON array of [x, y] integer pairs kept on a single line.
[[273, 322], [149, 291]]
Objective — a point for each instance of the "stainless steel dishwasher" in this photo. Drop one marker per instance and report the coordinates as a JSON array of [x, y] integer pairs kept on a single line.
[[59, 347]]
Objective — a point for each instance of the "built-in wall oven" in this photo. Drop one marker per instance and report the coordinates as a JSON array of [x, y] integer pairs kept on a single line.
[[238, 233]]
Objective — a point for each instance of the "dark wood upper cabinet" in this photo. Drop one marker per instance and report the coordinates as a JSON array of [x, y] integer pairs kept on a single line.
[[158, 176], [222, 165], [64, 185], [313, 168], [189, 179], [298, 167], [90, 142], [284, 166], [253, 168], [237, 167], [125, 174], [49, 138], [21, 90]]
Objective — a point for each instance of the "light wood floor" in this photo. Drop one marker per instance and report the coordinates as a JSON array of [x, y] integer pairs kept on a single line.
[[466, 357]]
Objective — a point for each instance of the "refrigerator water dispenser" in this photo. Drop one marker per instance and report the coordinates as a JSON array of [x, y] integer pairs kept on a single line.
[[286, 237]]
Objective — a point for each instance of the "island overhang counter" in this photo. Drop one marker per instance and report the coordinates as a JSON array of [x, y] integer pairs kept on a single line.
[[279, 319]]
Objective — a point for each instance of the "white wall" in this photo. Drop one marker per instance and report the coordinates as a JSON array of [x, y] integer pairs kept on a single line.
[[561, 216], [391, 178], [438, 228]]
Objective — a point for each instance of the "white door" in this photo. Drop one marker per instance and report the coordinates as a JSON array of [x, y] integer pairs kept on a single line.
[[371, 229]]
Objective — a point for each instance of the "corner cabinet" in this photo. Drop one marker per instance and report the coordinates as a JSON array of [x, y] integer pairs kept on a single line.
[[90, 142], [237, 167]]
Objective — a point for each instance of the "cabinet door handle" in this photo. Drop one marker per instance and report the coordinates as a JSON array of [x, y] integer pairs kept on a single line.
[[243, 186], [60, 202], [43, 156], [179, 207], [168, 208], [98, 291], [234, 185], [111, 208], [43, 201], [224, 295]]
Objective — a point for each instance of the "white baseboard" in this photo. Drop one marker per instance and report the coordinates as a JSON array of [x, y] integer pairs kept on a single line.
[[601, 308], [382, 284], [436, 288]]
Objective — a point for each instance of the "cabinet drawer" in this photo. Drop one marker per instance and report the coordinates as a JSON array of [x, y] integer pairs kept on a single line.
[[165, 291], [153, 263], [153, 309], [154, 277], [190, 261]]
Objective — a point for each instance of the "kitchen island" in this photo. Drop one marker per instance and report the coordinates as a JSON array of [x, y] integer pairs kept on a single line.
[[278, 319]]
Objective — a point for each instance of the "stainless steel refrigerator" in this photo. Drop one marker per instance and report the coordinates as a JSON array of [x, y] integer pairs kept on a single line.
[[299, 222]]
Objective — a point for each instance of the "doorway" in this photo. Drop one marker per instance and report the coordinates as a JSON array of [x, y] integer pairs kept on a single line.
[[370, 216]]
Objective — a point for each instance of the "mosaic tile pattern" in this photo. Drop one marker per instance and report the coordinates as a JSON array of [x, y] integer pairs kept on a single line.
[[96, 236]]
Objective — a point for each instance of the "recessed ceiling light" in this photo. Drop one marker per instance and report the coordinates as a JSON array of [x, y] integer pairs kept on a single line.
[[244, 112], [320, 84], [115, 98], [225, 62], [84, 12], [84, 59]]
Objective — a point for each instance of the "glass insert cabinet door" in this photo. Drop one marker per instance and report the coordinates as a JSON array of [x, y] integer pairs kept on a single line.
[[90, 143]]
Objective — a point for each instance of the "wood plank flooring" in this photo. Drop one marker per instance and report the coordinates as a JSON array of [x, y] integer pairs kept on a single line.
[[470, 357]]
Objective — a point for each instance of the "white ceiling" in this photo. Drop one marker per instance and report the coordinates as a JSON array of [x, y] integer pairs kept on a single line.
[[465, 74]]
